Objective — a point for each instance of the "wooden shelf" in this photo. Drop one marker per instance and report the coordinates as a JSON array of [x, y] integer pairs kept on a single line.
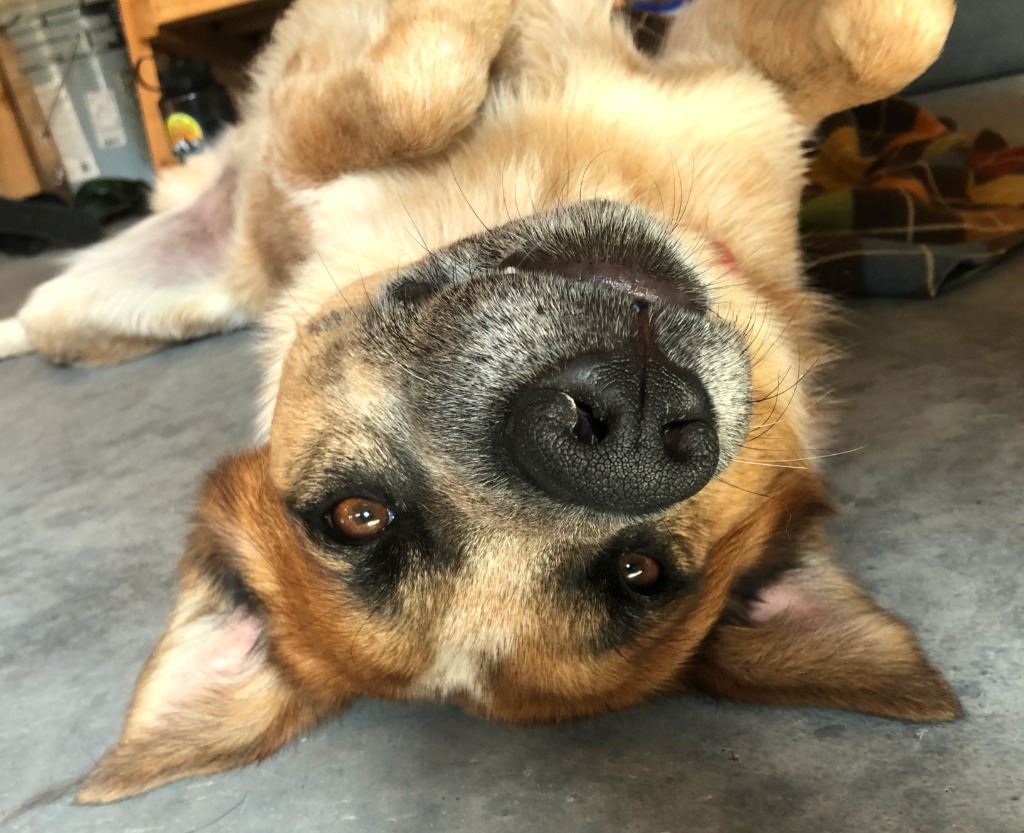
[[170, 12], [218, 31], [30, 161]]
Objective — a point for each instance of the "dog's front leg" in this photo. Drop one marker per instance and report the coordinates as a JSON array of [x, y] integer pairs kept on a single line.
[[352, 86], [163, 280]]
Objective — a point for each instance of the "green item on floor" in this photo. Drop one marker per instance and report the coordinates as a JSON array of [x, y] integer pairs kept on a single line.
[[109, 199]]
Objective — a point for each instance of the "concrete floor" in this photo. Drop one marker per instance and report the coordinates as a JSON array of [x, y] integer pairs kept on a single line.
[[99, 472]]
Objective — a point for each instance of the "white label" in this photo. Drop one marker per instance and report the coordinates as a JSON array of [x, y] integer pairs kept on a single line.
[[79, 160], [105, 115]]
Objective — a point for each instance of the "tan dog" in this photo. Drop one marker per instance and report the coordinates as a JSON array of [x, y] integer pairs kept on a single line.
[[539, 412]]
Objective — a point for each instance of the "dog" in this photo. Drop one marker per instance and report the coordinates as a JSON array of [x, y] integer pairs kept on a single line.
[[540, 409]]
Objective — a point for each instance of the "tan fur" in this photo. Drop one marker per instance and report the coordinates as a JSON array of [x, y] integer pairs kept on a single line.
[[825, 56], [378, 132], [94, 349], [409, 59]]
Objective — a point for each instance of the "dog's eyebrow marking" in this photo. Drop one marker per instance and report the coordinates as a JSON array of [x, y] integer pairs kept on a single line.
[[315, 486], [385, 470]]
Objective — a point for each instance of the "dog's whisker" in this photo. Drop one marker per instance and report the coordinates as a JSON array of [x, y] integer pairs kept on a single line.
[[725, 482], [800, 378], [586, 170], [557, 189], [366, 289], [419, 234], [504, 194], [814, 456], [767, 463], [329, 275], [767, 350], [302, 308], [785, 410], [331, 611], [768, 423], [458, 185], [821, 398], [656, 185], [755, 338]]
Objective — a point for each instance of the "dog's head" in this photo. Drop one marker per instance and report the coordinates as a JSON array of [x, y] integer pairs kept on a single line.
[[543, 472], [503, 460]]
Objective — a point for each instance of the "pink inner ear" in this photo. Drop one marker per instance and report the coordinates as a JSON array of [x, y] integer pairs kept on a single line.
[[230, 653], [210, 653], [785, 596], [218, 652]]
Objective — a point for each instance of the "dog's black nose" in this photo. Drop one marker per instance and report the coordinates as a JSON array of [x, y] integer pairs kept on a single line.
[[615, 433]]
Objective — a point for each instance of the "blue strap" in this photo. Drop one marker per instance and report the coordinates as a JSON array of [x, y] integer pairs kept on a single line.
[[656, 7]]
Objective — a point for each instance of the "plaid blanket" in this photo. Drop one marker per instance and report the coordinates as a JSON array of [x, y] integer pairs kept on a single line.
[[900, 204]]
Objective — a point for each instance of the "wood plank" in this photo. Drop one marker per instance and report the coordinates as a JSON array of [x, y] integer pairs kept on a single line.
[[168, 12], [46, 160], [258, 21], [149, 24], [137, 23], [202, 44], [17, 174]]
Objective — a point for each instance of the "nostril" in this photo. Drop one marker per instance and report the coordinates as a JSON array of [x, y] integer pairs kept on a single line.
[[588, 428], [685, 439]]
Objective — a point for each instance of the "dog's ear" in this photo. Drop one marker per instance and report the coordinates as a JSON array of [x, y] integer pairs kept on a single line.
[[212, 694], [825, 55], [797, 631]]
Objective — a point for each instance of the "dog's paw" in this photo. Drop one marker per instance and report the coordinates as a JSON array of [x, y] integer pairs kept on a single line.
[[13, 339], [417, 81], [824, 56]]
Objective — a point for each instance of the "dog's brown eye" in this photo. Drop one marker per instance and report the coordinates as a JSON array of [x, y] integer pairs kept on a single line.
[[359, 519], [639, 571]]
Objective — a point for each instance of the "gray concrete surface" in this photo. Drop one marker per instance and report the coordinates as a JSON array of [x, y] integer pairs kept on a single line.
[[99, 471]]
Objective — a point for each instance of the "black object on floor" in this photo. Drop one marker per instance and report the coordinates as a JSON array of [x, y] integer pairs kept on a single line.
[[29, 226]]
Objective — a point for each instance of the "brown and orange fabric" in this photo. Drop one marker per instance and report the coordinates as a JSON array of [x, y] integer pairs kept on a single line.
[[901, 204]]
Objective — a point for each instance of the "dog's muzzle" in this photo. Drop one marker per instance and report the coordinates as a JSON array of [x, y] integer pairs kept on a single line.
[[570, 359]]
